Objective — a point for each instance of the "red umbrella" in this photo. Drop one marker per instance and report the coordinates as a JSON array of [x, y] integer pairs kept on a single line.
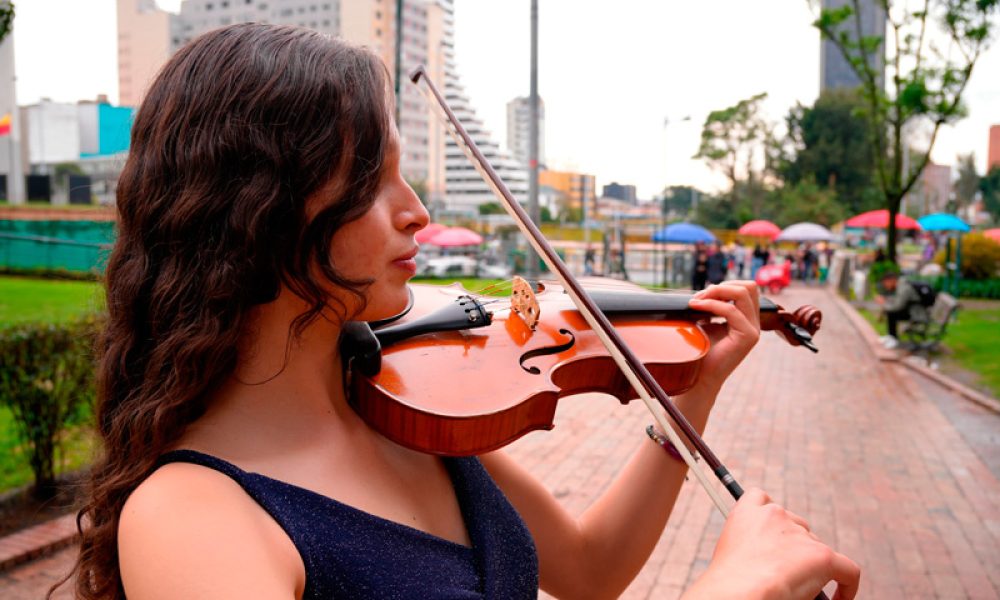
[[428, 232], [456, 236], [993, 234], [760, 228], [880, 219]]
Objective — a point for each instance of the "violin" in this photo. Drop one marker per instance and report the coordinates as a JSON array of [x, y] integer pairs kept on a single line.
[[506, 368], [440, 433]]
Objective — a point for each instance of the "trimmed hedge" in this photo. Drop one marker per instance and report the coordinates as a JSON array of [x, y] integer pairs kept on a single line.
[[968, 288], [47, 381]]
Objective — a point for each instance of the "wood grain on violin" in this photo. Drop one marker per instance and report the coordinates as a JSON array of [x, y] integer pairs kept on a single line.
[[455, 378]]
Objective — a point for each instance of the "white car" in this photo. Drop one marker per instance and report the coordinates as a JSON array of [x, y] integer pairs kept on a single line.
[[449, 266], [462, 266]]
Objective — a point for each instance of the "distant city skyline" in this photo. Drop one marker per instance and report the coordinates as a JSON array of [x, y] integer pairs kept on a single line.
[[610, 76]]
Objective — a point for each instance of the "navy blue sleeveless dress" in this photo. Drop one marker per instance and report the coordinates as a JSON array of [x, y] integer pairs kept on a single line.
[[349, 553]]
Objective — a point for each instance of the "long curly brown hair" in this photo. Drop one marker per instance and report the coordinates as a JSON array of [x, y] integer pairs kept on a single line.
[[238, 129]]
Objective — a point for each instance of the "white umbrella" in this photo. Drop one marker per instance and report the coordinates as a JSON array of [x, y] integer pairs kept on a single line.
[[805, 232]]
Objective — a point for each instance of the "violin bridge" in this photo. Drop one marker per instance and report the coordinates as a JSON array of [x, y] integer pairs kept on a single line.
[[523, 302]]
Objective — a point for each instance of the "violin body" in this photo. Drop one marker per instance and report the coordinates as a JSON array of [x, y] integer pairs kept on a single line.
[[471, 391]]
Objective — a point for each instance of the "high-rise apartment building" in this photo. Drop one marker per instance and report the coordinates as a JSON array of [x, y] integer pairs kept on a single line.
[[993, 154], [465, 189], [933, 190], [519, 129], [427, 37], [143, 47], [835, 71]]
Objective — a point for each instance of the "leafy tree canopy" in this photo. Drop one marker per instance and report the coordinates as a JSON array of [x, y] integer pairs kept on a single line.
[[925, 83], [827, 143], [6, 18]]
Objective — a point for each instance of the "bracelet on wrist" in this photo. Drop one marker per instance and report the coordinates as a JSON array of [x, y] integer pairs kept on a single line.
[[665, 443]]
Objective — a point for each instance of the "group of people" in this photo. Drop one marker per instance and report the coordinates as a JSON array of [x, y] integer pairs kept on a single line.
[[715, 263], [262, 208]]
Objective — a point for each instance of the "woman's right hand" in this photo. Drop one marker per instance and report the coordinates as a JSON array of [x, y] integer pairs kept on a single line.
[[768, 552]]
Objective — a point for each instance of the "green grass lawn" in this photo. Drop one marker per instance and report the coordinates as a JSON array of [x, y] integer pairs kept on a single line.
[[971, 342], [24, 299]]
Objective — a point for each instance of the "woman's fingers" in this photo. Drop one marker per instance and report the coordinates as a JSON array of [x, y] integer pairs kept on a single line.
[[743, 295], [847, 574], [736, 319]]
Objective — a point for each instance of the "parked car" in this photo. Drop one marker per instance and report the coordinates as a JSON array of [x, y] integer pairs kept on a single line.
[[462, 266], [449, 266]]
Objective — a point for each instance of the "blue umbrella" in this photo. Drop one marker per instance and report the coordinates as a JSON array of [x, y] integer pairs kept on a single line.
[[943, 222], [683, 233]]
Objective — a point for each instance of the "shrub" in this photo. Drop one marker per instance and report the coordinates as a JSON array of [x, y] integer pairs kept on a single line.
[[46, 379], [980, 256], [968, 288]]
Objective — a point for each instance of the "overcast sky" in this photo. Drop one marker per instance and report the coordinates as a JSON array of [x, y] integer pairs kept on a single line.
[[610, 73]]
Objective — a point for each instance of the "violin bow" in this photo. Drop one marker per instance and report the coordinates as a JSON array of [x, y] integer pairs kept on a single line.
[[647, 388]]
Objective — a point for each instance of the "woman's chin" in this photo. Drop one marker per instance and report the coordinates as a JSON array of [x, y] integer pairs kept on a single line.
[[386, 305]]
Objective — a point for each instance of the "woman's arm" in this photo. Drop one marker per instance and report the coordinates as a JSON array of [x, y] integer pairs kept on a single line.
[[600, 553]]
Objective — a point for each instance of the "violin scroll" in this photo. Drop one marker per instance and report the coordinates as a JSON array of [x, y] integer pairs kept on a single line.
[[798, 327]]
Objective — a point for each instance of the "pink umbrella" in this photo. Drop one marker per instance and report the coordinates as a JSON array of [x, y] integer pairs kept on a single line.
[[760, 228], [428, 232], [880, 219], [993, 234], [456, 236]]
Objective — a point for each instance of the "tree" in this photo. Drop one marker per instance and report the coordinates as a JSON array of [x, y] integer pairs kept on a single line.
[[491, 208], [678, 199], [967, 184], [925, 84], [721, 212], [827, 144], [733, 140], [990, 188], [806, 201], [6, 18]]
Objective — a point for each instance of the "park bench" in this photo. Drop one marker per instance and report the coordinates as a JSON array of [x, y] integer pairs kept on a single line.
[[924, 337]]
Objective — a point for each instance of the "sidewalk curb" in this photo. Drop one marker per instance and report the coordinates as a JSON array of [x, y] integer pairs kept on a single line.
[[885, 355], [36, 542]]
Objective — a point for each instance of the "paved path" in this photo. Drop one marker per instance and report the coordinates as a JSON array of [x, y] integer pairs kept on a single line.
[[894, 471]]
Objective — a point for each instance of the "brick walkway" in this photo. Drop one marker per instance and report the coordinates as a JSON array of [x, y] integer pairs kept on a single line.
[[891, 469]]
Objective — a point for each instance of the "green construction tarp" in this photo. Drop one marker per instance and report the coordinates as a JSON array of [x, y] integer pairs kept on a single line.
[[80, 246]]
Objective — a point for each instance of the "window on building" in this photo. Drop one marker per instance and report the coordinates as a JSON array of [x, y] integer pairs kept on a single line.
[[326, 22], [224, 4], [378, 32], [209, 6]]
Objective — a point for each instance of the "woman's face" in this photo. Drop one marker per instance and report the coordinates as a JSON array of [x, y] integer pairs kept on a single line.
[[380, 246]]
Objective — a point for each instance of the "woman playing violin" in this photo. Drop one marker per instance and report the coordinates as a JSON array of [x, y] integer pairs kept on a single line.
[[261, 207]]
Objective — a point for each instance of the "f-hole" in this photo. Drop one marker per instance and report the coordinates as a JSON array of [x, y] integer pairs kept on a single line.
[[545, 351]]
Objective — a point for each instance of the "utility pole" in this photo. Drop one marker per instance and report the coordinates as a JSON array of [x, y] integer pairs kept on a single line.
[[531, 259], [399, 59]]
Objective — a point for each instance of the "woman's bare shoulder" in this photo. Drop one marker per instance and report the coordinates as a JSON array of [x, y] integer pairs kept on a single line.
[[188, 531]]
